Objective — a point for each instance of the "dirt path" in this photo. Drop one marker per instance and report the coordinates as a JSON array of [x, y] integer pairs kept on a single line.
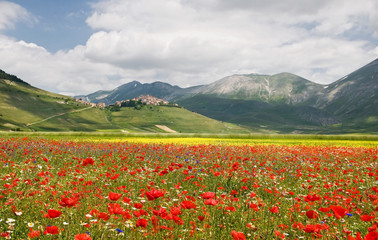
[[57, 115], [165, 128]]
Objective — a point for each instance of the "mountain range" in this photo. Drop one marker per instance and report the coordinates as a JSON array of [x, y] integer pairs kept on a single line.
[[282, 102]]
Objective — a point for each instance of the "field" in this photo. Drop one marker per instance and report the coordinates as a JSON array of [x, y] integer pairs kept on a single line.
[[198, 187]]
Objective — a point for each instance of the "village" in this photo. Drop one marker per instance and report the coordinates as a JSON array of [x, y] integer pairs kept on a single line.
[[144, 99]]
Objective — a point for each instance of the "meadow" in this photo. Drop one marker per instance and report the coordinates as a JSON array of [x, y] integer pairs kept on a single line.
[[188, 187]]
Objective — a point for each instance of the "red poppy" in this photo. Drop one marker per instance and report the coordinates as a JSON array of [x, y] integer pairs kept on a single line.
[[82, 236], [237, 235], [68, 202], [115, 208], [51, 230], [188, 205], [88, 161], [311, 214], [371, 236], [138, 205], [211, 201], [114, 196], [142, 223], [367, 218], [275, 209], [208, 195], [154, 194], [339, 211], [52, 213], [176, 211], [324, 209], [33, 233]]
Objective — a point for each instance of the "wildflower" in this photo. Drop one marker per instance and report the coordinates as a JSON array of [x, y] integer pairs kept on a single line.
[[237, 235], [141, 223], [339, 211], [33, 233], [51, 230], [114, 196], [52, 213], [82, 236], [188, 205]]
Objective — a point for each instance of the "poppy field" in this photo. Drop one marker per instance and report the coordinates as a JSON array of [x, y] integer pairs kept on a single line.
[[64, 189]]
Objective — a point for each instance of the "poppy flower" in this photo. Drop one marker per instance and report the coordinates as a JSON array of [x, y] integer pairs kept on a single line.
[[142, 223], [187, 205], [208, 195], [82, 236], [311, 214], [88, 161], [211, 201], [237, 235], [33, 233], [68, 202], [51, 230], [275, 209], [114, 196], [367, 218], [52, 213], [371, 236], [154, 194], [339, 211], [176, 211], [115, 208]]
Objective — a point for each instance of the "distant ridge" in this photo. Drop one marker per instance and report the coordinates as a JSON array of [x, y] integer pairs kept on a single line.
[[283, 102]]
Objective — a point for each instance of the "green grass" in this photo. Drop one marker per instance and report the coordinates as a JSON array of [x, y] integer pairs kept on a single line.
[[22, 104], [177, 119]]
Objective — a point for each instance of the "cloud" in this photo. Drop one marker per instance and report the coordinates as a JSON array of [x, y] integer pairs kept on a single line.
[[10, 13], [192, 42]]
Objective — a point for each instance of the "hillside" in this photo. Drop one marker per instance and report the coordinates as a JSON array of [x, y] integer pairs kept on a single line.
[[149, 118], [26, 108], [282, 102], [354, 98], [279, 88]]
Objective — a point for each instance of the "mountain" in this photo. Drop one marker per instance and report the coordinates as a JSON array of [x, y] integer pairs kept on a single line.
[[279, 88], [355, 96], [26, 108], [135, 89], [282, 102]]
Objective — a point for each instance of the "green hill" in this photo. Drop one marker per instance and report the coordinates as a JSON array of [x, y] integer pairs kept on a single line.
[[149, 117], [26, 108]]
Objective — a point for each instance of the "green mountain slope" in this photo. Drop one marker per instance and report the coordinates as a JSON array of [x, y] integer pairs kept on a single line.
[[26, 108], [257, 115], [149, 117], [279, 88]]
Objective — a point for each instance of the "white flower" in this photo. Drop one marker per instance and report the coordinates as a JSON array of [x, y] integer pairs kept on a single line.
[[18, 213], [30, 224], [10, 220]]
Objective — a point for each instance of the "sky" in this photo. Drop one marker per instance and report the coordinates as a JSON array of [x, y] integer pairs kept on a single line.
[[76, 47]]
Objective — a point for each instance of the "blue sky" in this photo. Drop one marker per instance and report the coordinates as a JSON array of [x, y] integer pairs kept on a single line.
[[56, 25], [81, 46]]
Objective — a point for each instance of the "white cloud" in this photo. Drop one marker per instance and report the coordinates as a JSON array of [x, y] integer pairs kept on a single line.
[[10, 13], [190, 42]]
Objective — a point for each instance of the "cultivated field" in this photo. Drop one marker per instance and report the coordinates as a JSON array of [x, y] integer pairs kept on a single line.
[[188, 187]]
